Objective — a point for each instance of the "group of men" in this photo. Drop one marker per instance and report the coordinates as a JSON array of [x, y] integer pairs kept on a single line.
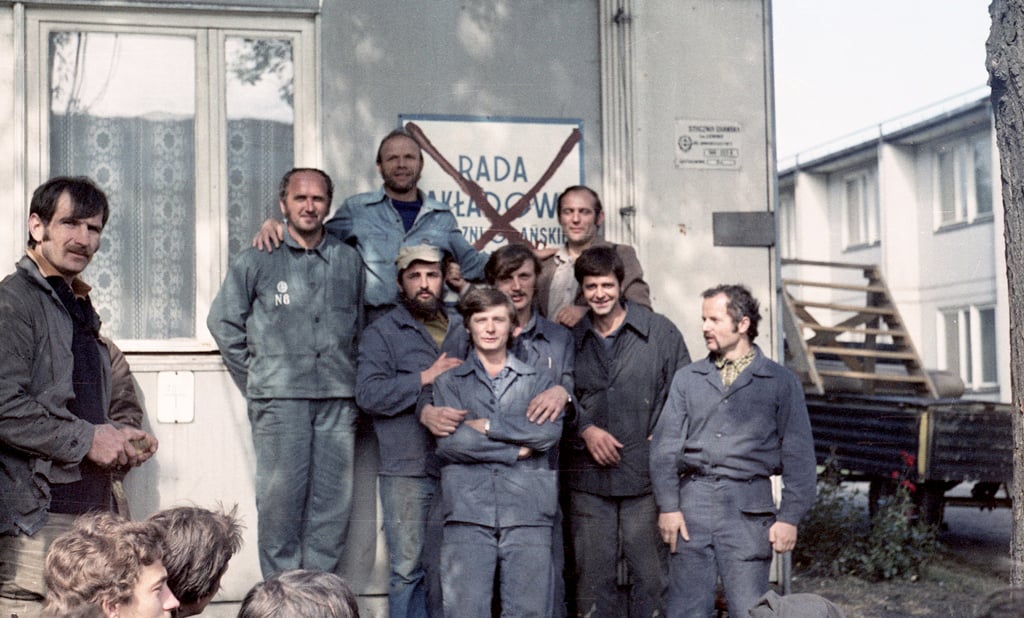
[[661, 460], [468, 416]]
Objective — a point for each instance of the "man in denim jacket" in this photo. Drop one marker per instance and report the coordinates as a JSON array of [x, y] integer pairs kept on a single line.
[[398, 214], [286, 324]]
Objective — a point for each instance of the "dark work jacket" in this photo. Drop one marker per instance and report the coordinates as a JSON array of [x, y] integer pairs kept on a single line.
[[41, 442], [622, 393]]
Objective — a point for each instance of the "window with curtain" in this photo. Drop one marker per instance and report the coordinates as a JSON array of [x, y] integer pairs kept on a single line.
[[188, 130]]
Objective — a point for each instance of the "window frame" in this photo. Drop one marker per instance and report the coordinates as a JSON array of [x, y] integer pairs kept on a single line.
[[970, 343], [867, 215], [211, 199], [963, 150]]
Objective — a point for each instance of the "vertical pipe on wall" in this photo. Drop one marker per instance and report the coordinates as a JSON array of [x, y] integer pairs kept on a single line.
[[19, 128], [617, 120]]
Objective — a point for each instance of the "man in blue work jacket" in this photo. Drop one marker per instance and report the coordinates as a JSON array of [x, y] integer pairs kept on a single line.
[[286, 323], [731, 421], [400, 354]]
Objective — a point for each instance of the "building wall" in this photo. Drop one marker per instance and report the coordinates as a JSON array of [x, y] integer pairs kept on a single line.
[[928, 267]]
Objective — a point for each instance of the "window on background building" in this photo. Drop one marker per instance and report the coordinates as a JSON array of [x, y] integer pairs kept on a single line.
[[968, 349], [963, 180], [787, 224], [860, 209], [188, 128]]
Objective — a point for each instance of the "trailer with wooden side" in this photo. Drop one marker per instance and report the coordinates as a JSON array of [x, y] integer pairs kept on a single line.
[[876, 412]]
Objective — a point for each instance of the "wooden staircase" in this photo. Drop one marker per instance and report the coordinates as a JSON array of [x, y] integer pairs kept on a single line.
[[819, 333]]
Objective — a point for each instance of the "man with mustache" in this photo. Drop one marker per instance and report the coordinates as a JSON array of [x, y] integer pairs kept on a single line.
[[397, 215], [400, 354], [58, 447], [286, 324], [731, 421]]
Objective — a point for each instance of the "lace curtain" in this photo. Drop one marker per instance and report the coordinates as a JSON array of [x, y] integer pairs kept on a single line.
[[144, 277]]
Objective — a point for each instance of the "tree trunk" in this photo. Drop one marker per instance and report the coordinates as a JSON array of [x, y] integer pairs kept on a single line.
[[1005, 51]]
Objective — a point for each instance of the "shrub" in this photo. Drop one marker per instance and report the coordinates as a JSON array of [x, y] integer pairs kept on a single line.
[[838, 538]]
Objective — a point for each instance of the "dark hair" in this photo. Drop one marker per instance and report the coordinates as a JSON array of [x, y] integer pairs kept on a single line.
[[300, 592], [282, 190], [598, 208], [598, 262], [507, 260], [99, 559], [742, 304], [87, 200], [481, 298], [392, 135], [199, 544]]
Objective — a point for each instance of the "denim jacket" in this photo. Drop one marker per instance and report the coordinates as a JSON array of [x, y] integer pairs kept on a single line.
[[376, 227], [483, 482], [394, 349], [286, 322]]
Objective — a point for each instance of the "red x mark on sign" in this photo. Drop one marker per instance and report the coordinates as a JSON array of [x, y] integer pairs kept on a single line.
[[500, 224]]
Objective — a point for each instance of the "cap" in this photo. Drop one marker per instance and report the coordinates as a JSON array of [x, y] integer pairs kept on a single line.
[[417, 253]]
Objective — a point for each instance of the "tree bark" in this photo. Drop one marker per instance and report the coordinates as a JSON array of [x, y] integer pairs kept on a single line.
[[1005, 59]]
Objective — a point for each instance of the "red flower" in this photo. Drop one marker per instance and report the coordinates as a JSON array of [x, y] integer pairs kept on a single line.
[[895, 474], [908, 459], [908, 485]]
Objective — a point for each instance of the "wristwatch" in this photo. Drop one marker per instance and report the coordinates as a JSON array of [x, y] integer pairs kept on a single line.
[[487, 426]]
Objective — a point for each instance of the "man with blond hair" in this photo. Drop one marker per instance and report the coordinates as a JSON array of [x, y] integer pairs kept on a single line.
[[110, 563]]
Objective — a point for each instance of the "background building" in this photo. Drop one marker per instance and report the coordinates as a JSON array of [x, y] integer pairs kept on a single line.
[[919, 196]]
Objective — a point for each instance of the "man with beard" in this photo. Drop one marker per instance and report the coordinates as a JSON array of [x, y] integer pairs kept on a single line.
[[396, 215], [58, 446], [286, 324], [399, 354]]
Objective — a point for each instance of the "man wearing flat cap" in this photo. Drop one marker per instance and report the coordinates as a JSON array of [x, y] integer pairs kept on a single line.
[[399, 355]]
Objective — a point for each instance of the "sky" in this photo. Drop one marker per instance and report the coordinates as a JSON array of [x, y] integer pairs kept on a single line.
[[846, 65]]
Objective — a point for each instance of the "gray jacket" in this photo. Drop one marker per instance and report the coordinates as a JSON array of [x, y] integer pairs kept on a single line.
[[41, 442], [286, 322], [755, 428], [393, 351], [483, 482]]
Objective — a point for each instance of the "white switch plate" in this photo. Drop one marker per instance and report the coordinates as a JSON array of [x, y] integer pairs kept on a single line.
[[176, 397]]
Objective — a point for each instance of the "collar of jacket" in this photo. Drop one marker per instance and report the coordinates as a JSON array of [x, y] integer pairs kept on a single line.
[[757, 368], [427, 203], [325, 241], [473, 362], [638, 319], [45, 269]]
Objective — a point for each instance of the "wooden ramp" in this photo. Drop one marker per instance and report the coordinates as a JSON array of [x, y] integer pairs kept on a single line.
[[860, 338]]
